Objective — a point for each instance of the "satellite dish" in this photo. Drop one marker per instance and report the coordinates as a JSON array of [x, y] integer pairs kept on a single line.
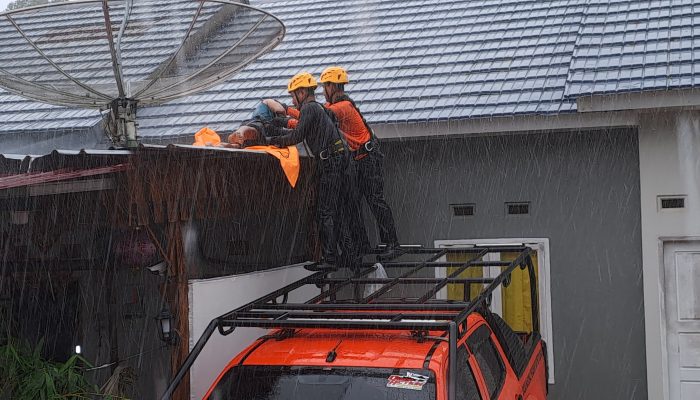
[[117, 54]]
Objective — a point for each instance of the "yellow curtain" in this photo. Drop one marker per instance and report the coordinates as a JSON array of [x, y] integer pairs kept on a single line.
[[517, 310], [456, 291]]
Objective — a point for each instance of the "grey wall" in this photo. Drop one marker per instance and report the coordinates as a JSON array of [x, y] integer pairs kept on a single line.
[[583, 189], [128, 309]]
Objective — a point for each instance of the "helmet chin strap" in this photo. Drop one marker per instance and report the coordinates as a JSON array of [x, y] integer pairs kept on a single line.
[[295, 95], [301, 101], [330, 91]]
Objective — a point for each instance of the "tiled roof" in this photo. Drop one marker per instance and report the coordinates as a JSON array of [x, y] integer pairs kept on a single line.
[[18, 114], [421, 60], [416, 60], [636, 45]]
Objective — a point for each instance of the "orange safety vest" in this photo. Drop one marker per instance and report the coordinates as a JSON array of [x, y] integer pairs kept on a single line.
[[351, 123]]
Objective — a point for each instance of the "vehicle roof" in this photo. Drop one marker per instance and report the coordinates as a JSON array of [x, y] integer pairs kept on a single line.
[[358, 348], [381, 349]]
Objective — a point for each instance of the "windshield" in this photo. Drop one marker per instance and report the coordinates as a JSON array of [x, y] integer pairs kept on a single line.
[[308, 383]]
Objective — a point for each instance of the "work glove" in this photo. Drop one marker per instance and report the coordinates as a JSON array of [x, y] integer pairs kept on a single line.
[[280, 122], [257, 125]]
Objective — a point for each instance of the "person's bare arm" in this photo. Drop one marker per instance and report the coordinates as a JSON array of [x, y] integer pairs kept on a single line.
[[275, 106]]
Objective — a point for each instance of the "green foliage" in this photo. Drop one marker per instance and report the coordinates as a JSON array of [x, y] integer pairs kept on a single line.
[[28, 3], [25, 375]]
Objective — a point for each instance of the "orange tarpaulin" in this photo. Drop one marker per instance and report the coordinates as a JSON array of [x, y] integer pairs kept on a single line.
[[288, 157], [206, 137]]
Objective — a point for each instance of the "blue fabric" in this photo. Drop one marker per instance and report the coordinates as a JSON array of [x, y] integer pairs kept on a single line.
[[263, 112]]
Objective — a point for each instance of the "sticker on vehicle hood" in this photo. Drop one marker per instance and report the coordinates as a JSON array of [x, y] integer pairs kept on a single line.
[[410, 381]]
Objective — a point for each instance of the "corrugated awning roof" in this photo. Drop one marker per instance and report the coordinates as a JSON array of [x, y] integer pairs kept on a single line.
[[60, 165]]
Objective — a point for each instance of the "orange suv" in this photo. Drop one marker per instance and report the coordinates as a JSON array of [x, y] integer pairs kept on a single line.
[[349, 343]]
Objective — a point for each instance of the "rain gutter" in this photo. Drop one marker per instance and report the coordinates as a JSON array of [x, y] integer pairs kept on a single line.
[[654, 99], [507, 125]]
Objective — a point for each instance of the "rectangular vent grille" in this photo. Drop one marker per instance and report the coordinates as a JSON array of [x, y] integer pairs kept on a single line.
[[462, 210], [672, 203], [517, 208]]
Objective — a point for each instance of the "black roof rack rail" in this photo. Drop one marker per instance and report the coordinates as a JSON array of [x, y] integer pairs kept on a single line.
[[422, 313]]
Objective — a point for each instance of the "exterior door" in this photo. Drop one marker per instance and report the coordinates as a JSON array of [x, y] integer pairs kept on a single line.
[[682, 284]]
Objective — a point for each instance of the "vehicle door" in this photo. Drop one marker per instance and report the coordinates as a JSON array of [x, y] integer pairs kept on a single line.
[[469, 385], [499, 379]]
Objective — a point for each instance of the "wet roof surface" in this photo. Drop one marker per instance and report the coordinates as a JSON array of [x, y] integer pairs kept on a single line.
[[416, 60]]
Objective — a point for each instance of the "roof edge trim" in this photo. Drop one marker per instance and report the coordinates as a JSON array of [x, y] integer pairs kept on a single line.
[[656, 99], [508, 125]]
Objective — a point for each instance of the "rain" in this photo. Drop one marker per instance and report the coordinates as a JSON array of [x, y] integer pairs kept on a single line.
[[367, 199]]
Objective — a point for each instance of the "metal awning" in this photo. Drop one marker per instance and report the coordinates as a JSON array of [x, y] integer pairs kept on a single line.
[[18, 170]]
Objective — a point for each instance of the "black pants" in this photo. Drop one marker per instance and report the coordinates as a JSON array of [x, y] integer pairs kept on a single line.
[[370, 184], [333, 215]]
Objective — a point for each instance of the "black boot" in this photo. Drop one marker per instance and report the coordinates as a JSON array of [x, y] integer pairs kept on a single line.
[[322, 266]]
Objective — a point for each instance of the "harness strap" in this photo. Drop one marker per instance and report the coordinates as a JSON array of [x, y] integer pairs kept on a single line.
[[337, 147], [345, 97]]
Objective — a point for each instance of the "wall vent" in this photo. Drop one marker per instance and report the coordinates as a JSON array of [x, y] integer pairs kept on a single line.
[[671, 202], [517, 208], [462, 210]]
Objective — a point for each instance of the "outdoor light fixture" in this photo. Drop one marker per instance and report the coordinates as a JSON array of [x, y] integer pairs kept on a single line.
[[78, 350], [166, 324], [158, 269]]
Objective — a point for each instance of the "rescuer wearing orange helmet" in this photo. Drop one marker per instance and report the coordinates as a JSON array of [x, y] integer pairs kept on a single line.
[[365, 153], [316, 126]]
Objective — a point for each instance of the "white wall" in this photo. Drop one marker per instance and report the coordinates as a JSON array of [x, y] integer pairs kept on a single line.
[[669, 154], [211, 298]]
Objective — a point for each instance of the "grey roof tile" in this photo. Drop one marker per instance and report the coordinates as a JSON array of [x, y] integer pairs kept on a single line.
[[649, 44]]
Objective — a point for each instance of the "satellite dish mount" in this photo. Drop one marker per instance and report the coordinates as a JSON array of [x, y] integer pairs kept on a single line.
[[124, 113]]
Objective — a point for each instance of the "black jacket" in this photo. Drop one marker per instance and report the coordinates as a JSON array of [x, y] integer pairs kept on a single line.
[[315, 126]]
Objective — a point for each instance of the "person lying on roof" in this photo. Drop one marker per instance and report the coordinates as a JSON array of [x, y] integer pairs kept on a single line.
[[254, 131]]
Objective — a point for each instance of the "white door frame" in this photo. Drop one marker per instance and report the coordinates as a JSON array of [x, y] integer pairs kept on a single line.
[[664, 241], [541, 245]]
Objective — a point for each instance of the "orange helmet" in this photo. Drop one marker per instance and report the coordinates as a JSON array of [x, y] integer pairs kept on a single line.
[[301, 80], [334, 75]]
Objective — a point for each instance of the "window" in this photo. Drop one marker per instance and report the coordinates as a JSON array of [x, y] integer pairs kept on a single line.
[[490, 363], [466, 387]]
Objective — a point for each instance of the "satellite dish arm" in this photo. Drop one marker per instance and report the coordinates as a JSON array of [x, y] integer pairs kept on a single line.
[[79, 100], [116, 57], [208, 83], [53, 64], [216, 60], [165, 66], [127, 14]]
